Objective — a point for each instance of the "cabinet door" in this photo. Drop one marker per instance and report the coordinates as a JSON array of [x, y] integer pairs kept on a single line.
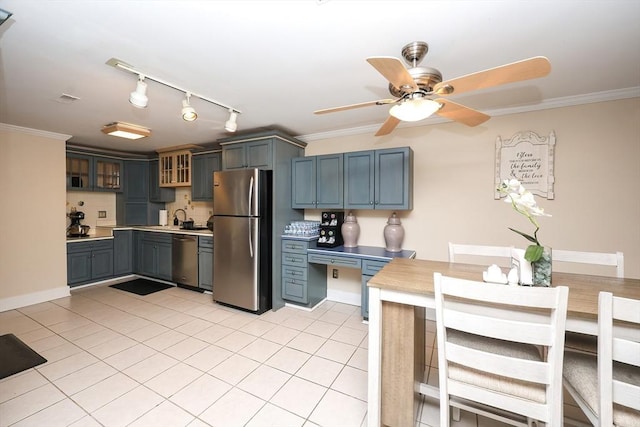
[[202, 177], [163, 252], [359, 180], [78, 267], [329, 182], [122, 252], [156, 193], [303, 183], [393, 179], [136, 175], [234, 157], [258, 154], [79, 172], [107, 174], [205, 269], [148, 258], [101, 264]]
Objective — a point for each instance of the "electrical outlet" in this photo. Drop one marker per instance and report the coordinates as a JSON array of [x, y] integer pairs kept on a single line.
[[102, 214], [335, 273]]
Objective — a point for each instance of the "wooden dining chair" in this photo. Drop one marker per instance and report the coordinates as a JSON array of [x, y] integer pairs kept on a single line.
[[501, 253], [614, 259], [606, 386], [575, 340], [500, 350]]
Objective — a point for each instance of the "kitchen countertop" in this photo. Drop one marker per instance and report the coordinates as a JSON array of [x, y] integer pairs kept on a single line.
[[106, 232]]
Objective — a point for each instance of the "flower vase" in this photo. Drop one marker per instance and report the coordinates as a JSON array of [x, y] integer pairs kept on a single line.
[[350, 231], [541, 269], [393, 234]]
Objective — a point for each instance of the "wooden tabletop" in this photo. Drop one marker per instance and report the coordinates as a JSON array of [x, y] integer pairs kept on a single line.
[[416, 276]]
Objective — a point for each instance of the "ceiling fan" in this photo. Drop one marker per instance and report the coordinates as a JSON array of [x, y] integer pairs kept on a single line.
[[415, 88]]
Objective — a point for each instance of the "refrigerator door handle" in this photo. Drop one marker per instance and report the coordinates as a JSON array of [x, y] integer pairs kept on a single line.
[[250, 238], [250, 196]]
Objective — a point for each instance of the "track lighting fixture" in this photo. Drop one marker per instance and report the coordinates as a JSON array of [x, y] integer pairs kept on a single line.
[[4, 15], [126, 130], [188, 112], [231, 125], [138, 98]]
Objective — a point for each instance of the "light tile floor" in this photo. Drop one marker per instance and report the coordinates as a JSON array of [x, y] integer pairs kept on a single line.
[[174, 358]]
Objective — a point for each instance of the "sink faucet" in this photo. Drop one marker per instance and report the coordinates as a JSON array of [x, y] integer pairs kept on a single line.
[[175, 214]]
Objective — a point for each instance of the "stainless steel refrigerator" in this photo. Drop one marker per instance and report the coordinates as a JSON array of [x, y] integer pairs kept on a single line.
[[242, 275]]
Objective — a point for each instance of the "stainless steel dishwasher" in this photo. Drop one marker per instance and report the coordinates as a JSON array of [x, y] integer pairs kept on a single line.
[[184, 259]]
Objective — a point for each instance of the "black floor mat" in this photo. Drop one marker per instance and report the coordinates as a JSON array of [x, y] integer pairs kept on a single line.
[[16, 356], [141, 286]]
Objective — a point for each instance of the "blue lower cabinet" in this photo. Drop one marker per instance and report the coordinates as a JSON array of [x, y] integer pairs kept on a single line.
[[153, 253], [205, 263], [122, 252], [89, 261]]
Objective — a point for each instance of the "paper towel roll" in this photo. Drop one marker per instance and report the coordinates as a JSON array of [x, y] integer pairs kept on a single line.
[[162, 217]]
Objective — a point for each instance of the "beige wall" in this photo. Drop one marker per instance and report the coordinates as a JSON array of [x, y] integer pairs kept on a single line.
[[597, 170], [33, 262]]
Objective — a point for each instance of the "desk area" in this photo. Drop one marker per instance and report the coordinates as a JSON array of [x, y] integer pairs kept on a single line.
[[400, 293], [304, 280]]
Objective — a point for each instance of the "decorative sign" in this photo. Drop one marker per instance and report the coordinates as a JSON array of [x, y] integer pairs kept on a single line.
[[528, 158]]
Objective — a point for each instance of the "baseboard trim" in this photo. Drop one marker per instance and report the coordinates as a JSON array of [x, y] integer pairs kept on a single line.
[[20, 301]]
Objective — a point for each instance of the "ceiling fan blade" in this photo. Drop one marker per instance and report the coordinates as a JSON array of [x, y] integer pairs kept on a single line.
[[393, 70], [388, 126], [352, 106], [460, 113], [526, 69]]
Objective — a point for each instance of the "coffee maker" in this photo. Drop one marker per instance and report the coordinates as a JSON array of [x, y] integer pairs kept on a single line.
[[76, 229]]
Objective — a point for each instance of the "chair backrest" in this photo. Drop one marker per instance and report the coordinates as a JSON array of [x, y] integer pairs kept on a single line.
[[499, 334], [621, 353], [480, 250], [615, 259]]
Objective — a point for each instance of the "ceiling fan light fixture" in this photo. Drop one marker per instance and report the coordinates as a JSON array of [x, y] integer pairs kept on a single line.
[[126, 130], [138, 98], [188, 112], [231, 125], [414, 109]]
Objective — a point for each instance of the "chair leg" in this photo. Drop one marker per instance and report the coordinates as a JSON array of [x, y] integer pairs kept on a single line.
[[456, 414]]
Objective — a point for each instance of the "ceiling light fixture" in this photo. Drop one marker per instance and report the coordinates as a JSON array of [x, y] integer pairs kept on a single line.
[[138, 98], [4, 15], [126, 130], [414, 108], [188, 112], [114, 62], [231, 125]]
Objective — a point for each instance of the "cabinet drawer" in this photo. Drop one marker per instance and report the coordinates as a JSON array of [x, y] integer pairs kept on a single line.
[[294, 290], [300, 246], [156, 237], [294, 272], [205, 242], [336, 260], [295, 259], [371, 267]]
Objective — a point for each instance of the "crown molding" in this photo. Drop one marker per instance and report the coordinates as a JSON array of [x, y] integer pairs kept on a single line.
[[34, 132], [567, 101]]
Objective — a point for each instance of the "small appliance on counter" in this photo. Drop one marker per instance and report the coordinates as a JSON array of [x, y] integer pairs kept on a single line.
[[331, 229], [76, 229]]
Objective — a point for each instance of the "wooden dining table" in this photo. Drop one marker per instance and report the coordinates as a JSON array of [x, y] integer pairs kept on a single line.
[[399, 296]]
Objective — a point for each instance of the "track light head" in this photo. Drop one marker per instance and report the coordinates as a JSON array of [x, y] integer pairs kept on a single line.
[[188, 112], [138, 98], [231, 125]]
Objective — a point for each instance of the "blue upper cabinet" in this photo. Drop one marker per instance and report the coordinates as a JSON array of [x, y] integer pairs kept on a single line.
[[107, 174], [379, 179], [79, 172], [202, 175], [86, 172], [317, 182], [253, 154]]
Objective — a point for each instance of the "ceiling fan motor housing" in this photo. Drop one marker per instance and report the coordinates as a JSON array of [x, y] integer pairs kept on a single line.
[[425, 77]]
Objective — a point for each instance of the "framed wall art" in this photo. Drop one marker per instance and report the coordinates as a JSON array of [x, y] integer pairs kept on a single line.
[[527, 157]]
